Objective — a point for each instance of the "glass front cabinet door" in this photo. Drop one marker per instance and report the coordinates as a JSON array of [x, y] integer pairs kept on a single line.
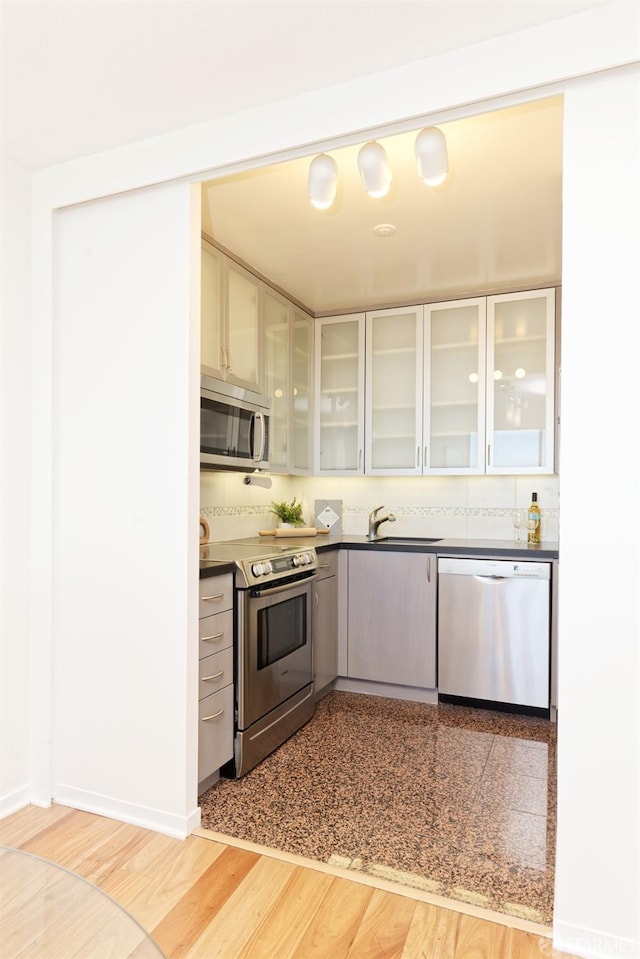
[[276, 333], [302, 393], [339, 416], [393, 417], [520, 382], [455, 386]]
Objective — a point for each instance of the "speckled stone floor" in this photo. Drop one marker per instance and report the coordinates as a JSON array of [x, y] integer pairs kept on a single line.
[[457, 801]]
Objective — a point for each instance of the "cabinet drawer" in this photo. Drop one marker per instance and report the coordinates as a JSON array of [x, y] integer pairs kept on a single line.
[[327, 563], [216, 594], [216, 633], [215, 672], [215, 732]]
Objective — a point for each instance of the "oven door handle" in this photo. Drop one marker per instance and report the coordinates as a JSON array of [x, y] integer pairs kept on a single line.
[[287, 587]]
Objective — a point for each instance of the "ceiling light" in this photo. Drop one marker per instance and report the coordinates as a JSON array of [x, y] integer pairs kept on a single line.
[[374, 169], [384, 229], [431, 156], [323, 179]]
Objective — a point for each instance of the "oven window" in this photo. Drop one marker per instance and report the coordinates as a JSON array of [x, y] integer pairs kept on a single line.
[[282, 628]]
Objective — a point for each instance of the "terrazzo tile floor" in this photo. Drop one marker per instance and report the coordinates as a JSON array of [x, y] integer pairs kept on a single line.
[[454, 800]]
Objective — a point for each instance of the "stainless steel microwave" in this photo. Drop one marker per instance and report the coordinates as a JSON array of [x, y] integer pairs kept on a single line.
[[234, 427]]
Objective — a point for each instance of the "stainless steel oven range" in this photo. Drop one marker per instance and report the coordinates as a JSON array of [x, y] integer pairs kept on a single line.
[[273, 672]]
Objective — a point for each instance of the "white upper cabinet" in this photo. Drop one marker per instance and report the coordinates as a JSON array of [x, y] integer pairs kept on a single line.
[[520, 382], [301, 433], [211, 310], [242, 303], [455, 337], [339, 415], [394, 367], [229, 319]]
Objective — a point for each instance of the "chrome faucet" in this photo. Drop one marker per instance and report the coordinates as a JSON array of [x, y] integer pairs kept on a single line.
[[375, 524]]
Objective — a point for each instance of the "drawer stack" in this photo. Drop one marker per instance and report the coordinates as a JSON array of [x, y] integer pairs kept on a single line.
[[216, 701]]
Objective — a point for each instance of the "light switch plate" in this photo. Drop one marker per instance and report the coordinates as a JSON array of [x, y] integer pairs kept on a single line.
[[328, 515]]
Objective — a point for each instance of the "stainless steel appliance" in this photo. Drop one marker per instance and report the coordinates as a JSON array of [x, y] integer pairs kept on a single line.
[[494, 631], [234, 427], [273, 662]]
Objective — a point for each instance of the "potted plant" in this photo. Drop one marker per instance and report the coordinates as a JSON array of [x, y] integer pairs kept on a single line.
[[289, 514]]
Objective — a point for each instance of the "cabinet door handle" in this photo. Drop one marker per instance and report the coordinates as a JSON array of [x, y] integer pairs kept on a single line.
[[359, 458], [208, 679], [213, 599], [206, 719], [428, 569], [424, 458], [211, 639], [315, 600], [225, 357], [418, 456], [488, 454], [323, 565]]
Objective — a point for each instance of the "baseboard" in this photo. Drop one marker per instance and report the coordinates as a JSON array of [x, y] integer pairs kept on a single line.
[[414, 694], [14, 801], [591, 944], [179, 827]]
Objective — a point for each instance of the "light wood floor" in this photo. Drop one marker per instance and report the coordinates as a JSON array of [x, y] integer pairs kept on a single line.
[[201, 898]]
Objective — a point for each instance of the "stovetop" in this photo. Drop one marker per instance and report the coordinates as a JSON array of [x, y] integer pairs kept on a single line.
[[229, 551]]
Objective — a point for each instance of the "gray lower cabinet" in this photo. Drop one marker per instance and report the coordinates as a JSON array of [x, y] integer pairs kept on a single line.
[[324, 623], [391, 630], [215, 696]]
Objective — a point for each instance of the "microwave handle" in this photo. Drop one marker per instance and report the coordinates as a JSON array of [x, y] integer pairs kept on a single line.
[[258, 454]]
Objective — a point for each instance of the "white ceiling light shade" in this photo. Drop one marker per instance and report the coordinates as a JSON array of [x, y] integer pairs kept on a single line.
[[374, 169], [431, 156], [323, 181]]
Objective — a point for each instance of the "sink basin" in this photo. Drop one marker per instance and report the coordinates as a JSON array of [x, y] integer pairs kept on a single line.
[[410, 540]]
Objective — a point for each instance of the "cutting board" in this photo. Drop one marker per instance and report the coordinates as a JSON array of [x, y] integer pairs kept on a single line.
[[293, 531]]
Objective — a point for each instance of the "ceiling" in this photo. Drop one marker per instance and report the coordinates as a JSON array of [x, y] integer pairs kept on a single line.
[[494, 224], [81, 76]]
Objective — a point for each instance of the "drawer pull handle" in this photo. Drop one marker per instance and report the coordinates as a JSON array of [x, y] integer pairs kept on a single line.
[[208, 679], [213, 638], [205, 719], [324, 565], [213, 599]]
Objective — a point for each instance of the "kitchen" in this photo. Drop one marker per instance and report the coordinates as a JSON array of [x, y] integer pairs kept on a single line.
[[152, 505], [496, 147]]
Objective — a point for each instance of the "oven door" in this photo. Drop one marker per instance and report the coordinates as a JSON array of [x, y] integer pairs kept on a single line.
[[274, 654]]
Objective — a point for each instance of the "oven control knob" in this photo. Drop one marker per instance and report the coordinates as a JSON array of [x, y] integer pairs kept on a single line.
[[257, 569], [268, 567], [297, 560], [306, 559]]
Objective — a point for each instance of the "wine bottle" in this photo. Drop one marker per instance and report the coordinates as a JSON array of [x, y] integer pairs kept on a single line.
[[534, 516]]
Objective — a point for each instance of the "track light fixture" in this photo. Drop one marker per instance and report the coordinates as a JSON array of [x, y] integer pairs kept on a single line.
[[323, 180], [431, 156], [374, 169]]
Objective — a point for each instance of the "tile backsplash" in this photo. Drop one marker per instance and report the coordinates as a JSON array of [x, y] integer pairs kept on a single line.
[[457, 507]]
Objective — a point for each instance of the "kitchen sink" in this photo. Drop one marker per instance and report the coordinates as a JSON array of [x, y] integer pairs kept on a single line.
[[409, 540]]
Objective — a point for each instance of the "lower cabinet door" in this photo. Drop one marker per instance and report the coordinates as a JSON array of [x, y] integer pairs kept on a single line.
[[215, 731]]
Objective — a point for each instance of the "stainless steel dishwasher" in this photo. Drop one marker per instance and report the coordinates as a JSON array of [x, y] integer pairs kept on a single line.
[[494, 630]]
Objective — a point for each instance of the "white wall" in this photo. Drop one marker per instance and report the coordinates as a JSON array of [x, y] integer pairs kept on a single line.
[[15, 465], [125, 508], [598, 858], [600, 39]]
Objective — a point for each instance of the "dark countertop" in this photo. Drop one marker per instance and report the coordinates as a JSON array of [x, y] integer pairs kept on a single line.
[[499, 548]]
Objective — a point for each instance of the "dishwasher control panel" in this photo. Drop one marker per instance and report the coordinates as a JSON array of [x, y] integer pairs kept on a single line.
[[504, 568]]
